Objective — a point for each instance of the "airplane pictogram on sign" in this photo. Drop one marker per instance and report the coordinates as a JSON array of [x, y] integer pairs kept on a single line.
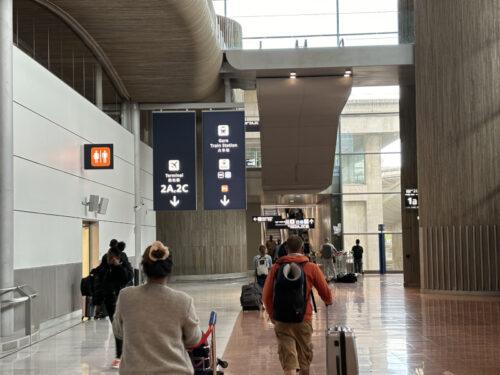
[[100, 156]]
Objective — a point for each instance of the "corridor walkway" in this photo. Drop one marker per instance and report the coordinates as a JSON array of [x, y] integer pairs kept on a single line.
[[399, 331]]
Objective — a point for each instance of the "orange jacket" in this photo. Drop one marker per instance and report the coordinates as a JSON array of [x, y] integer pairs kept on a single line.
[[314, 277]]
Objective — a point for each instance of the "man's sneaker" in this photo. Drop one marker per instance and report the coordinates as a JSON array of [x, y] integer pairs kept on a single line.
[[116, 363]]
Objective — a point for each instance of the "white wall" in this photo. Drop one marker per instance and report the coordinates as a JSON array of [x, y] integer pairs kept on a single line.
[[51, 123]]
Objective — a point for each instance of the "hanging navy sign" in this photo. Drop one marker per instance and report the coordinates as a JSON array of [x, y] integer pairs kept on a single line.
[[224, 173], [174, 161]]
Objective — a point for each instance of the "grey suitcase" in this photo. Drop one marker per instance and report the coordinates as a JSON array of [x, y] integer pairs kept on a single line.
[[341, 354]]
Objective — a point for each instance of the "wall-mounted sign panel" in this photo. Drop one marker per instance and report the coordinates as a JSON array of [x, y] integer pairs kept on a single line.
[[99, 156], [174, 161], [411, 198], [224, 172]]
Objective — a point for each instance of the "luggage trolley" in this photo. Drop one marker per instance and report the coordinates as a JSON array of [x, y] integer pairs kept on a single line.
[[204, 355], [340, 264]]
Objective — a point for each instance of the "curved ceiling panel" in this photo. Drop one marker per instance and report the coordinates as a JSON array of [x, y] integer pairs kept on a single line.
[[163, 50], [299, 121]]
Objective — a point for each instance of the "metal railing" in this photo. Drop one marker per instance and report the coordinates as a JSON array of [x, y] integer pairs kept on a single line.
[[26, 296]]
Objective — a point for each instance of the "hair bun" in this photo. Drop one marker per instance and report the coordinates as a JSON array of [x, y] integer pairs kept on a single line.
[[158, 252]]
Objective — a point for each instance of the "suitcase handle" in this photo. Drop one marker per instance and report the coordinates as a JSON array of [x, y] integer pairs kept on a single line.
[[213, 318], [326, 309]]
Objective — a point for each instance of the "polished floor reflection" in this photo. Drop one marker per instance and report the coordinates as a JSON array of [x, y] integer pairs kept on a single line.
[[399, 331]]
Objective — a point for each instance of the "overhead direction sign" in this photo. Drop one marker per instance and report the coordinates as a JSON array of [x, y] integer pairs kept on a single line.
[[277, 222], [174, 161], [224, 172], [98, 156]]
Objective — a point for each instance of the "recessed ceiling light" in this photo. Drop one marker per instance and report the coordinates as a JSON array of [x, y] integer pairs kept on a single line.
[[293, 75], [292, 201], [347, 73]]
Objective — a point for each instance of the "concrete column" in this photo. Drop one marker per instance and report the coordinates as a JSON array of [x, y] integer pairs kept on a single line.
[[458, 144], [6, 162], [409, 180], [98, 86], [136, 129], [126, 120], [227, 90]]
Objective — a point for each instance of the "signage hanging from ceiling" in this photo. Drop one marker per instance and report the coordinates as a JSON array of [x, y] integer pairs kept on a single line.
[[174, 161], [98, 156], [224, 172], [277, 222]]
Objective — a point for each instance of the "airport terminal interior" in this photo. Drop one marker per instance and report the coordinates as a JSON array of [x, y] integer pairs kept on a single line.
[[218, 126]]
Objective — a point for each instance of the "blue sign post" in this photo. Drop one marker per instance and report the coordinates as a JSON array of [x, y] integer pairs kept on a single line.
[[381, 249], [174, 161], [224, 172]]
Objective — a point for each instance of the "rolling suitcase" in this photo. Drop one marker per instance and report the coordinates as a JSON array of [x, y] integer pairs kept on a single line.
[[88, 307], [251, 297], [341, 354]]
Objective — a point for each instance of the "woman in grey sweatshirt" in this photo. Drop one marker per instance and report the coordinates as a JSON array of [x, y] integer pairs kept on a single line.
[[156, 322]]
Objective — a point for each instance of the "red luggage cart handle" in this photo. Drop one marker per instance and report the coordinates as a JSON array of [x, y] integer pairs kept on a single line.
[[211, 324]]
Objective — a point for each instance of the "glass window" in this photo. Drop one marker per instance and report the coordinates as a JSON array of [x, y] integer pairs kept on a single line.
[[49, 41], [375, 172], [369, 242], [315, 21], [353, 169], [253, 153], [364, 212], [336, 175], [353, 143]]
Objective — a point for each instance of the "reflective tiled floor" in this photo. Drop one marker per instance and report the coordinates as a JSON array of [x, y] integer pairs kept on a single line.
[[89, 348], [398, 332]]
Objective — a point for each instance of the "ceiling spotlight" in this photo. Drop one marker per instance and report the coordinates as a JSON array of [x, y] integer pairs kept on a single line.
[[293, 75], [347, 73]]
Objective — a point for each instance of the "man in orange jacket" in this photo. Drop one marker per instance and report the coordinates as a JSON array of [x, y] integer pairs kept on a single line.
[[295, 347]]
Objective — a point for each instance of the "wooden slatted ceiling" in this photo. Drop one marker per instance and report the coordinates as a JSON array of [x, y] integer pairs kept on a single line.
[[164, 50]]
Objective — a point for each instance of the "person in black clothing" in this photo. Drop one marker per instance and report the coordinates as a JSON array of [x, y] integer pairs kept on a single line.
[[98, 277], [114, 273], [282, 250], [357, 253]]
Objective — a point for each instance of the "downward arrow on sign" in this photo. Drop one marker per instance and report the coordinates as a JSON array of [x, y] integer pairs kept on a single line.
[[224, 201], [174, 201]]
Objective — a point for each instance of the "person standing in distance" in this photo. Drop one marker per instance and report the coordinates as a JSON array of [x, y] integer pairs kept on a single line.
[[295, 347], [271, 247], [357, 254], [261, 264], [327, 253]]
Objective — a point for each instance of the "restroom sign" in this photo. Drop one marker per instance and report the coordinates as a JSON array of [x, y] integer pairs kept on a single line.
[[98, 156]]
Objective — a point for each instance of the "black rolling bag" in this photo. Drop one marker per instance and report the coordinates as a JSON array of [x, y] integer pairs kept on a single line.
[[88, 307], [251, 297]]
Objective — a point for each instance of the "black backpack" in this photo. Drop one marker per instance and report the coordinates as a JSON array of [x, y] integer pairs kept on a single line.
[[289, 293], [348, 278], [87, 286]]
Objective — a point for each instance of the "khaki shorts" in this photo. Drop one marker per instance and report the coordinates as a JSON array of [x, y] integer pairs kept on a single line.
[[295, 348]]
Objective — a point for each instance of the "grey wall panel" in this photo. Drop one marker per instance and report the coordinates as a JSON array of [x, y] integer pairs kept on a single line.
[[68, 297], [58, 290]]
